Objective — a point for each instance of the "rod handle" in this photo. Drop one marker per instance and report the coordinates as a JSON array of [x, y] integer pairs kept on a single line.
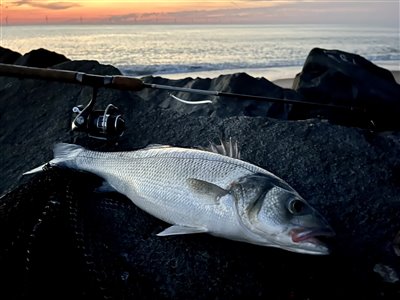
[[127, 83], [37, 73]]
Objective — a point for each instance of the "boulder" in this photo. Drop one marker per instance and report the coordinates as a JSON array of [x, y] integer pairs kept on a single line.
[[8, 56], [41, 58], [341, 78]]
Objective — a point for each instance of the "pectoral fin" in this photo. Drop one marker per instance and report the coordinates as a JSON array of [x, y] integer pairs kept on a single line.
[[204, 188], [180, 229]]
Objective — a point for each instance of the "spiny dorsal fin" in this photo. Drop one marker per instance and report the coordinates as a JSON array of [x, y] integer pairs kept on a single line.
[[228, 148]]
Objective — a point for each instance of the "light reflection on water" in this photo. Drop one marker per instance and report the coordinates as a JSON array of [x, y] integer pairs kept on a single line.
[[160, 49]]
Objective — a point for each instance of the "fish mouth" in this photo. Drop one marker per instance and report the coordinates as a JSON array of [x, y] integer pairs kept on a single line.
[[304, 235]]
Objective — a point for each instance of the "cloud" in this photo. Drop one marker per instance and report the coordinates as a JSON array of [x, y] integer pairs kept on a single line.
[[134, 17], [280, 12], [47, 5], [124, 18]]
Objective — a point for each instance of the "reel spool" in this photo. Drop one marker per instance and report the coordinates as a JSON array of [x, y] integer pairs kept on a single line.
[[105, 124]]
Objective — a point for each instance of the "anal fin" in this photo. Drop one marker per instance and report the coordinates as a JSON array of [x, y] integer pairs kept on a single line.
[[105, 188], [180, 229]]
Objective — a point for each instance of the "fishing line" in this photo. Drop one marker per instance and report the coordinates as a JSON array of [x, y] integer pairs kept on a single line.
[[191, 102]]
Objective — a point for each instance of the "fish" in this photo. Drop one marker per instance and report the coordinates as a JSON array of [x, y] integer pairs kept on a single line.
[[206, 191]]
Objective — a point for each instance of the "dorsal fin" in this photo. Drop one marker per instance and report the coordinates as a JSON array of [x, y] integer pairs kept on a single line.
[[156, 146], [228, 148]]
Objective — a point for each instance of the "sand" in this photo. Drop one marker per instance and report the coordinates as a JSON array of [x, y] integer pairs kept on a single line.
[[287, 83], [396, 75]]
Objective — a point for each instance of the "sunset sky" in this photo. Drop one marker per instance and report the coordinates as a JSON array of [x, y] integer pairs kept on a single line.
[[381, 12]]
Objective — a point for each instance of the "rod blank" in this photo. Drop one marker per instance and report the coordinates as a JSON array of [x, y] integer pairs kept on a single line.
[[135, 84]]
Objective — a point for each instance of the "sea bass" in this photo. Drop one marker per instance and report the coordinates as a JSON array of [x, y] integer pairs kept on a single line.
[[205, 191]]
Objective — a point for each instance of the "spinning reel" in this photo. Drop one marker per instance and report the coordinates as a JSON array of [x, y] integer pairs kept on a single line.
[[105, 124]]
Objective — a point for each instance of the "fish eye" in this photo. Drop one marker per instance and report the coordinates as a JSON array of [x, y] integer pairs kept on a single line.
[[295, 206]]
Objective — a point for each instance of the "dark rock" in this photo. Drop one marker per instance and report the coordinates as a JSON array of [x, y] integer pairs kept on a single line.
[[387, 273], [41, 58], [350, 175], [341, 78], [240, 83], [8, 56], [396, 244], [87, 66]]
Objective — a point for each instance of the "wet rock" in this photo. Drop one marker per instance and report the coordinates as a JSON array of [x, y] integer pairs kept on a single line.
[[341, 78]]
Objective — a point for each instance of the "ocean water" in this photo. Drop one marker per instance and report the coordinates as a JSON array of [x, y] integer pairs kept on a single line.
[[272, 51]]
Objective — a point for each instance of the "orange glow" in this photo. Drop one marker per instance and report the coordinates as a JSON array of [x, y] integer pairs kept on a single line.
[[72, 11], [14, 12]]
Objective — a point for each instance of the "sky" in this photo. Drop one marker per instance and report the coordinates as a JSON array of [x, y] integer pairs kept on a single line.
[[361, 12]]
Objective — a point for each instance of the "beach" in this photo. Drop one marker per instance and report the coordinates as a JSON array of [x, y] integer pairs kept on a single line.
[[287, 83]]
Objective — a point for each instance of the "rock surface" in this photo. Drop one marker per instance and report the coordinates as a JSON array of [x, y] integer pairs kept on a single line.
[[342, 78], [54, 225], [8, 56], [240, 83], [40, 58]]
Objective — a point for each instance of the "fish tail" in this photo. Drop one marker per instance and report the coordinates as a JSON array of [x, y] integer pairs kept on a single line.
[[64, 156], [65, 153]]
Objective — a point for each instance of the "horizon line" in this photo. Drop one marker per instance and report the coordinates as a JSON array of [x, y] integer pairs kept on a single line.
[[77, 23]]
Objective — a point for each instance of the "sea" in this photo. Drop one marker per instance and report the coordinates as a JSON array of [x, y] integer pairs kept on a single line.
[[178, 51]]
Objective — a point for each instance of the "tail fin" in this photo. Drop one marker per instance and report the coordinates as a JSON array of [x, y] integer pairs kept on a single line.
[[64, 155]]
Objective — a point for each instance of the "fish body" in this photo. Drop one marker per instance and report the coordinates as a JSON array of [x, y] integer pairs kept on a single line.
[[201, 191]]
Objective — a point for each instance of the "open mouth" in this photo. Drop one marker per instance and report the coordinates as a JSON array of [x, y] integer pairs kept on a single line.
[[302, 235]]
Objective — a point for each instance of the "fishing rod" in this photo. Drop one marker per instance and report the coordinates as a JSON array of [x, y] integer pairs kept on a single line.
[[135, 84], [102, 124]]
